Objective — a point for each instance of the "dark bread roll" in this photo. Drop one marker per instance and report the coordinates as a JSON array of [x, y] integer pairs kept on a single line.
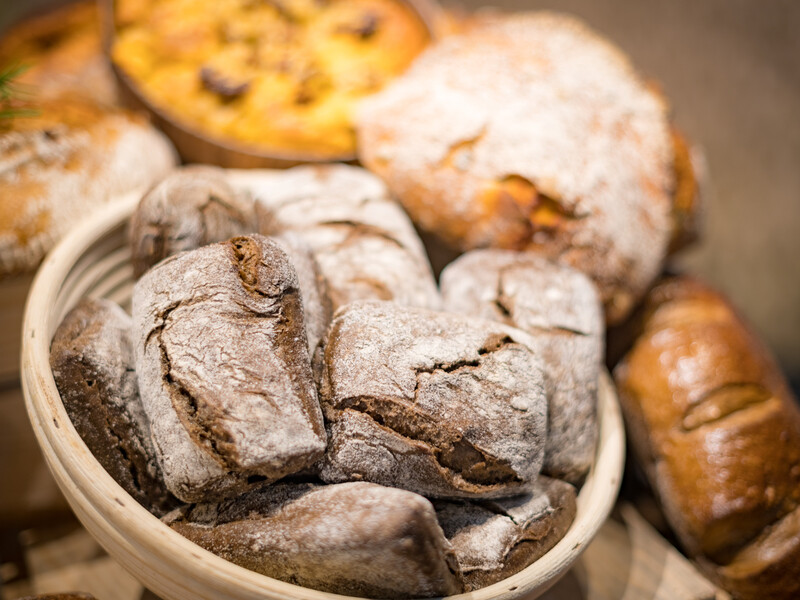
[[93, 366], [558, 306], [191, 207], [224, 369], [493, 539], [441, 404], [356, 539], [718, 432]]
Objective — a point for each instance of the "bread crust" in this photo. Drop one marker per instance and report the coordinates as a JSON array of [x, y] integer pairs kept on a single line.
[[531, 131], [558, 306], [495, 539], [93, 366], [436, 403], [364, 243], [223, 368], [716, 427], [357, 539]]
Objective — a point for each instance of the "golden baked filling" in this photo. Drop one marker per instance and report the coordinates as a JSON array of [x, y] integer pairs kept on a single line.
[[275, 75]]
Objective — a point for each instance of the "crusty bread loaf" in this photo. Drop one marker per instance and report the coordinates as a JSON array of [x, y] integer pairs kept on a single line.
[[441, 404], [493, 539], [224, 369], [92, 360], [58, 167], [364, 243], [191, 207], [559, 307], [718, 433], [531, 131], [354, 538]]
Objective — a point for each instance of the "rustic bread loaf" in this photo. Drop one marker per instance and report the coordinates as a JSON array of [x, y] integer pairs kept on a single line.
[[191, 207], [559, 307], [437, 403], [57, 167], [531, 131], [92, 360], [223, 368], [493, 539], [354, 538], [718, 431], [364, 243]]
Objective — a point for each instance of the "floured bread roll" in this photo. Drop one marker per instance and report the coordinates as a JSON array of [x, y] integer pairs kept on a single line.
[[493, 539], [191, 207], [531, 131], [441, 404], [559, 307], [224, 369], [356, 539], [93, 367], [364, 243], [59, 166]]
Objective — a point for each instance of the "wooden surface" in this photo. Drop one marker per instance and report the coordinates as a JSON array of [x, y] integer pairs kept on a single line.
[[627, 560], [13, 292]]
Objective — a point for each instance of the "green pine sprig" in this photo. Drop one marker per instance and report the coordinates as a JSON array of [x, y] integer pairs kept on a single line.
[[12, 94]]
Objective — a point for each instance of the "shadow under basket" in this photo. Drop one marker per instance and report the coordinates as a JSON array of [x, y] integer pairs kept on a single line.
[[94, 261]]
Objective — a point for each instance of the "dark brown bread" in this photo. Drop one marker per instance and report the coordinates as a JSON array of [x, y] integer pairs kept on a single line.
[[354, 538], [61, 596], [224, 369], [718, 432], [191, 207], [92, 360], [493, 539], [441, 404], [559, 307]]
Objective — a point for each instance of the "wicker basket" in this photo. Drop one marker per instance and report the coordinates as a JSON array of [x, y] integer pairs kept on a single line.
[[94, 261]]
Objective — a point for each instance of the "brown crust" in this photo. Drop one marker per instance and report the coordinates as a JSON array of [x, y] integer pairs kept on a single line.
[[686, 199], [354, 538], [712, 420], [92, 361]]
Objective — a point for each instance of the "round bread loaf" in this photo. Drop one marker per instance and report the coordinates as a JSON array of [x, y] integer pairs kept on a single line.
[[532, 132], [58, 166]]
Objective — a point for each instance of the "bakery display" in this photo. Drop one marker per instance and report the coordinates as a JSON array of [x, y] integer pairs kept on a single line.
[[559, 308], [222, 415], [220, 67], [579, 164], [356, 539], [67, 160], [446, 415], [718, 432], [93, 366]]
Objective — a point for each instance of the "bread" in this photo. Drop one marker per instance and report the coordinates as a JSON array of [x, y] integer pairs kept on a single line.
[[224, 370], [191, 207], [61, 596], [493, 539], [59, 166], [689, 196], [718, 432], [559, 308], [355, 538], [92, 360], [364, 243], [440, 404], [279, 78], [531, 131]]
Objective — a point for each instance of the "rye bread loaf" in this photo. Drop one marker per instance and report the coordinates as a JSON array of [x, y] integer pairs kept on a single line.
[[354, 538], [531, 131], [191, 207], [441, 404], [493, 539], [59, 166], [224, 370], [559, 307], [93, 366], [717, 431], [364, 243]]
